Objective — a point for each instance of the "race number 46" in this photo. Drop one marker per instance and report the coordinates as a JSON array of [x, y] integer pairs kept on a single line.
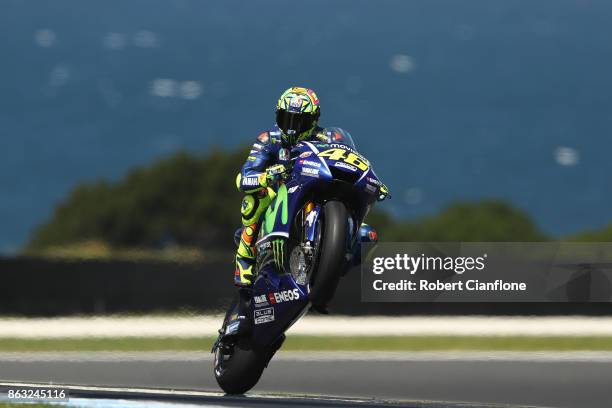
[[347, 157]]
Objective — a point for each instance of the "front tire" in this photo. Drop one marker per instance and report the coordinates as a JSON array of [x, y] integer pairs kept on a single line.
[[333, 248]]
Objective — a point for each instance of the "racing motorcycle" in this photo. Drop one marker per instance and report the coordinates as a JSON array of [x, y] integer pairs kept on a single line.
[[309, 237]]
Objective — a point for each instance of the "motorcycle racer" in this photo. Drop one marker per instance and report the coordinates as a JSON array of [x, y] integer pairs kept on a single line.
[[297, 117], [318, 216]]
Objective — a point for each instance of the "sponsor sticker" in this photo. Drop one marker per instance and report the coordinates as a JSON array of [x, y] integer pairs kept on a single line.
[[307, 171], [232, 327], [341, 146], [296, 102], [311, 163], [260, 300], [370, 188], [264, 315], [345, 166], [373, 181], [283, 296], [292, 189], [264, 137], [250, 181], [305, 154], [283, 154], [264, 246]]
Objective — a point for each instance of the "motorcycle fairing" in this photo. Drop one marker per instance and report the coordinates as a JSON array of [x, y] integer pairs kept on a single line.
[[277, 302], [277, 218]]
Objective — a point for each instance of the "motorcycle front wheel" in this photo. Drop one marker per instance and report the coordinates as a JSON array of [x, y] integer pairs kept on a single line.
[[333, 247]]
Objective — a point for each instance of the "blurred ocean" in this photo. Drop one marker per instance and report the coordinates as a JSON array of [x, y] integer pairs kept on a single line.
[[449, 99]]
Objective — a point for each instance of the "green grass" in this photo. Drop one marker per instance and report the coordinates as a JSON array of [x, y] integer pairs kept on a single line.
[[313, 343], [107, 344], [424, 343]]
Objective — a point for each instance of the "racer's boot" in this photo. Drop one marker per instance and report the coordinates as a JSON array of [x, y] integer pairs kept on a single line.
[[245, 257], [244, 276], [367, 235]]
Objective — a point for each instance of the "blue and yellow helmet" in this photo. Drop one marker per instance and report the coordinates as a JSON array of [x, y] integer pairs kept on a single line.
[[297, 114]]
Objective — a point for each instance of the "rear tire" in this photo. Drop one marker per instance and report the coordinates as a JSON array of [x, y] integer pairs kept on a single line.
[[333, 254], [242, 370]]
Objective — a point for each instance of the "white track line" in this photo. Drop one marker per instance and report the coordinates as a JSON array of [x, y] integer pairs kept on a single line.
[[324, 356], [117, 403], [257, 398], [201, 326], [99, 388]]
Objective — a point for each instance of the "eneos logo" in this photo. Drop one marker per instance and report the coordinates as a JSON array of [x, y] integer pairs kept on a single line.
[[283, 296]]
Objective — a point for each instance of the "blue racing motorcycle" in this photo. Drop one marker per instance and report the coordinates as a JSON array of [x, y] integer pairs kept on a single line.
[[309, 237]]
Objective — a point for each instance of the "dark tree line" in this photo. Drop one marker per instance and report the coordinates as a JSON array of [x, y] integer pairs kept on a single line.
[[191, 200]]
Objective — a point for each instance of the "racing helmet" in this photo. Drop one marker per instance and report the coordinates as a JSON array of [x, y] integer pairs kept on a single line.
[[297, 114]]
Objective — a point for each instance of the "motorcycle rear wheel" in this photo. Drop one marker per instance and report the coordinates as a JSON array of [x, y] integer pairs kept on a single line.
[[238, 367]]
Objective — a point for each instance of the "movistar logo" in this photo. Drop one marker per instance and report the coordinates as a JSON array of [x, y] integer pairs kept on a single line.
[[271, 213]]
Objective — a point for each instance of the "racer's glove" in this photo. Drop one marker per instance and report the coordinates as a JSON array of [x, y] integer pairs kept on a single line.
[[383, 193], [273, 174]]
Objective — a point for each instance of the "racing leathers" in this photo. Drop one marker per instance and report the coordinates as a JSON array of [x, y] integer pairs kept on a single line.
[[267, 162]]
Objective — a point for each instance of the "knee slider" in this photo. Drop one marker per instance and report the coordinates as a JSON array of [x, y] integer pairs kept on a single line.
[[249, 206]]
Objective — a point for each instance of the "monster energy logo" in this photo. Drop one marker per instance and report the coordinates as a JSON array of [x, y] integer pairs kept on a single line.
[[281, 201], [278, 246]]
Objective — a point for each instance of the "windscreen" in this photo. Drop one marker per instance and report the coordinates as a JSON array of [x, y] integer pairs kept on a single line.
[[337, 135]]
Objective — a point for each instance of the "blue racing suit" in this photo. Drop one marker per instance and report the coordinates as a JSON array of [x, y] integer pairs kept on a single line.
[[267, 151]]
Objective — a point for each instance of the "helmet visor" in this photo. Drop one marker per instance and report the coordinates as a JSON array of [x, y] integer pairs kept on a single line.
[[294, 122]]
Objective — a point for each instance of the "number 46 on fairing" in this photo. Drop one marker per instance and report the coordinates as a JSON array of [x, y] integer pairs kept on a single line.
[[347, 157]]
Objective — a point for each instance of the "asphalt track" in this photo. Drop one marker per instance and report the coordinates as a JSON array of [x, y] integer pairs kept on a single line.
[[535, 380]]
